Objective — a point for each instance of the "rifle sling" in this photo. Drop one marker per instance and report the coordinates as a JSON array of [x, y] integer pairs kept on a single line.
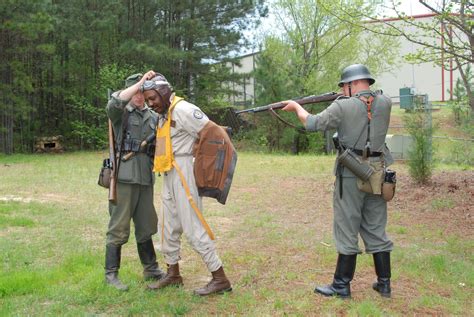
[[125, 116], [299, 129]]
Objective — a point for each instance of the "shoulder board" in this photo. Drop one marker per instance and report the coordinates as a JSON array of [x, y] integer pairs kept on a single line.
[[379, 92], [342, 97]]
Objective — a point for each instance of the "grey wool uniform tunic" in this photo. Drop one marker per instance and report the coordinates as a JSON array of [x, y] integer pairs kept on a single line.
[[357, 212], [135, 176]]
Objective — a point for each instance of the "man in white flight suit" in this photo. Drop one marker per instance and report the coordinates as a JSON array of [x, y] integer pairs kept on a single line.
[[184, 121]]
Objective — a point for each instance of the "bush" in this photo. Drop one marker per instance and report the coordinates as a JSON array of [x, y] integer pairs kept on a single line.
[[420, 162]]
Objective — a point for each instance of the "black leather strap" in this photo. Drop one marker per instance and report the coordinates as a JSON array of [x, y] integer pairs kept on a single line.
[[372, 154]]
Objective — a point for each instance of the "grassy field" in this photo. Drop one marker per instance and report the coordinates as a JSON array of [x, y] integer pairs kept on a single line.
[[274, 236]]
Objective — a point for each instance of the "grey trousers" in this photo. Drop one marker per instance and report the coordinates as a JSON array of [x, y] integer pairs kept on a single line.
[[133, 202], [359, 213]]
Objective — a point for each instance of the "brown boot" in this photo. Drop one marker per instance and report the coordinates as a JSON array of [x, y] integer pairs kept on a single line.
[[172, 278], [218, 285]]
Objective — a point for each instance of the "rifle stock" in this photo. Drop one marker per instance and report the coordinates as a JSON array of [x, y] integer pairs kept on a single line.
[[113, 162], [330, 96]]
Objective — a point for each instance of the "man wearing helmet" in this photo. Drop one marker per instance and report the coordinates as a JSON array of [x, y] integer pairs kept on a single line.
[[132, 122], [361, 119], [179, 124]]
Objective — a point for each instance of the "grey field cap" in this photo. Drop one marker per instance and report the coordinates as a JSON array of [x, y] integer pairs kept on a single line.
[[133, 79], [355, 72]]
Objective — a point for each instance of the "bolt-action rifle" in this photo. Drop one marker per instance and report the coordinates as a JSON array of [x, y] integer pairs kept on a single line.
[[112, 160], [330, 96], [113, 163]]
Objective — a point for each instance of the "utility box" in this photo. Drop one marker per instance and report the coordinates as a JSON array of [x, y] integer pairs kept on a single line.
[[406, 98], [399, 145]]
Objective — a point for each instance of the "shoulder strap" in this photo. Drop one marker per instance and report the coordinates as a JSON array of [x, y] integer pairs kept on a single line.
[[125, 117], [368, 102]]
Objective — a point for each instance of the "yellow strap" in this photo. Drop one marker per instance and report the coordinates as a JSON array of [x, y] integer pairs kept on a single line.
[[193, 204]]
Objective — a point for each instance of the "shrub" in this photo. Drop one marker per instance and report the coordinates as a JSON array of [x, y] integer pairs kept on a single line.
[[419, 127]]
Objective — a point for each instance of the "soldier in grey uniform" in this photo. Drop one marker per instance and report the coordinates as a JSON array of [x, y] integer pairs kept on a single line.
[[361, 126], [177, 216], [133, 121]]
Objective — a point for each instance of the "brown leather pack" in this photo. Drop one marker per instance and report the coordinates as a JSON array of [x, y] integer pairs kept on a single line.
[[215, 161]]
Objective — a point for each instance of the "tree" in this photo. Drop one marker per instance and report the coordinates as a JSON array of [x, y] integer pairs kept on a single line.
[[194, 35], [452, 23], [59, 57], [307, 57], [24, 31]]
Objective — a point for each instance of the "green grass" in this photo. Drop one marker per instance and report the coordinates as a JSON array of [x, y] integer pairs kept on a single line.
[[442, 203], [274, 236]]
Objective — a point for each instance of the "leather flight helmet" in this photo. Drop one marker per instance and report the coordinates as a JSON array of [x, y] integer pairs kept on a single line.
[[355, 72], [161, 85]]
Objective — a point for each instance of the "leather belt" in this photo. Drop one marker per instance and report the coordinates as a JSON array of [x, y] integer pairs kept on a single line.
[[372, 154]]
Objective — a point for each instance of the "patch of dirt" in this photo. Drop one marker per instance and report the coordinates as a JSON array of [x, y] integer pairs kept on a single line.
[[446, 203], [8, 198], [45, 198], [283, 253]]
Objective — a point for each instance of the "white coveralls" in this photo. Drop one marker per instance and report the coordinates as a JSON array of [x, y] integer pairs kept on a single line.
[[177, 216]]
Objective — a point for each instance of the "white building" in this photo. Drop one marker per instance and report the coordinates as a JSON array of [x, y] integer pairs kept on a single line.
[[425, 78]]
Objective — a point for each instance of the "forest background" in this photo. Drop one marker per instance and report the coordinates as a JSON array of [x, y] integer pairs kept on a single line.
[[59, 58]]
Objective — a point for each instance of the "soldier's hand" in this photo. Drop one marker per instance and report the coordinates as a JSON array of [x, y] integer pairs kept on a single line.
[[291, 106], [149, 75]]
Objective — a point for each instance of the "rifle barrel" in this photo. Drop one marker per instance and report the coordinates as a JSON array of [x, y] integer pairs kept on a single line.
[[302, 101]]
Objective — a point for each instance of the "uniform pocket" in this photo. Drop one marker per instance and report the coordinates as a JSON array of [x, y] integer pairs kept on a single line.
[[127, 170]]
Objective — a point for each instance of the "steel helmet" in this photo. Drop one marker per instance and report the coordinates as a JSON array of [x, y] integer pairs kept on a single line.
[[355, 72], [161, 85]]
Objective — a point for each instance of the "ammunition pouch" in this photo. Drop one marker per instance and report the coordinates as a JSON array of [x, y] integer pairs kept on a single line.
[[134, 145], [131, 145], [381, 182], [105, 174], [373, 185]]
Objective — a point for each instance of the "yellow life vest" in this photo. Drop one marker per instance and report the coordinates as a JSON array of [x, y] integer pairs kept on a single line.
[[164, 152]]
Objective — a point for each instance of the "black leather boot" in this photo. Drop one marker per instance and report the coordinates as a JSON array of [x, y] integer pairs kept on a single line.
[[383, 271], [146, 252], [342, 277], [112, 266]]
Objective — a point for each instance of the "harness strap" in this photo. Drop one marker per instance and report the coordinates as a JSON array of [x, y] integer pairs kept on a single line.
[[192, 203], [368, 102]]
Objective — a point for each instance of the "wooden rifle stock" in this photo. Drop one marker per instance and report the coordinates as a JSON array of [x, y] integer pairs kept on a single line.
[[113, 162], [330, 96]]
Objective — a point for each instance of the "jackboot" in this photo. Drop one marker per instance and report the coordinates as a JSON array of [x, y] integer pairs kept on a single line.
[[344, 274], [218, 285], [383, 271], [172, 278], [112, 266], [151, 270]]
